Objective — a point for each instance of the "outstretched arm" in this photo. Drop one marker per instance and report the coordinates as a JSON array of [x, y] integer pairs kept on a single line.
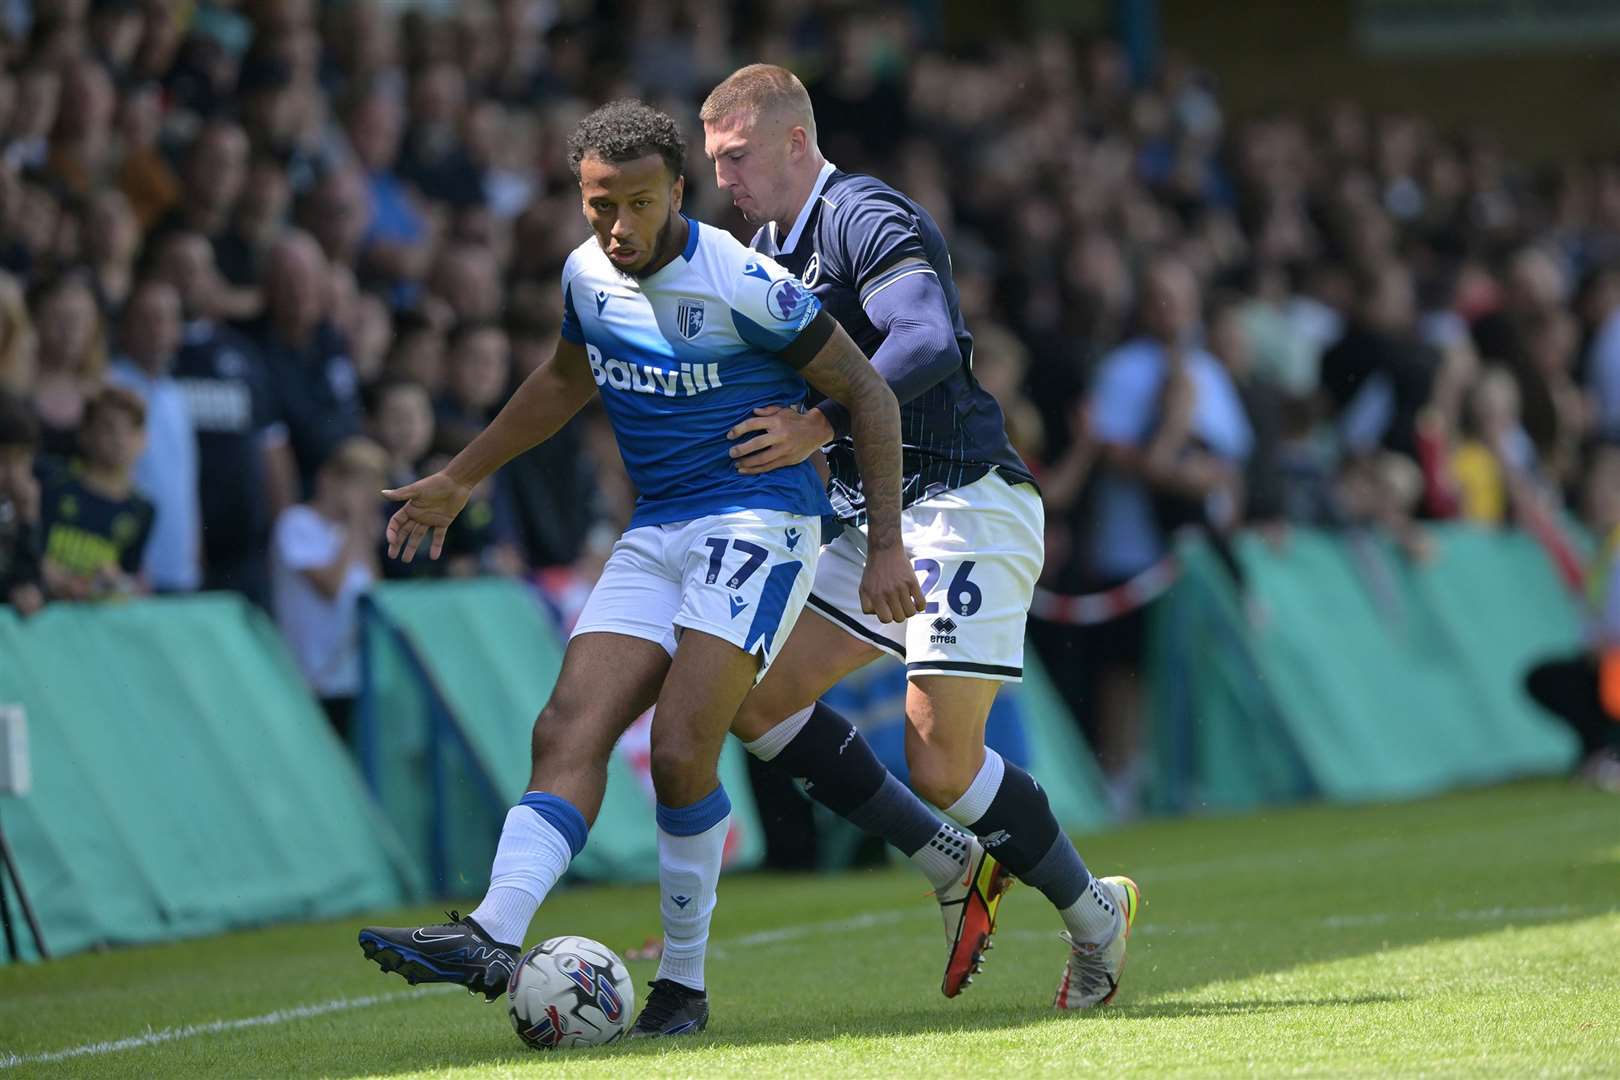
[[547, 400], [840, 370]]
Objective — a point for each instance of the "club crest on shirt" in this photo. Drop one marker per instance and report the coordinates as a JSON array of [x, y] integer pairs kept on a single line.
[[689, 317]]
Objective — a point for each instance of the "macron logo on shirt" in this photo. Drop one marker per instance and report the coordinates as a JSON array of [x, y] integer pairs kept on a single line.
[[688, 380]]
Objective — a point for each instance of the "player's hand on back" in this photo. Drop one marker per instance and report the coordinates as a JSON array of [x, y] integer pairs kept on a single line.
[[431, 504], [776, 438], [889, 587]]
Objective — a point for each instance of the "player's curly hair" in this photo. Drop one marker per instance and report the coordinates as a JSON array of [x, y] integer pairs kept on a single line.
[[625, 130]]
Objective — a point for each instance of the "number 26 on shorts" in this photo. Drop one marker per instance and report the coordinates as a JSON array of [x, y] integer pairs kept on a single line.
[[963, 594]]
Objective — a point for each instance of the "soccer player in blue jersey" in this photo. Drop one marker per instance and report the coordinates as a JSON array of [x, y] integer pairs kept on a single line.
[[973, 526], [684, 333]]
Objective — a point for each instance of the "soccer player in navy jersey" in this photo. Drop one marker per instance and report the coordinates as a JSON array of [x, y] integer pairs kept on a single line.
[[684, 333], [973, 526]]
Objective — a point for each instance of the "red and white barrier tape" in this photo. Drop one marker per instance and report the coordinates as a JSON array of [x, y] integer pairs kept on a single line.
[[1090, 609]]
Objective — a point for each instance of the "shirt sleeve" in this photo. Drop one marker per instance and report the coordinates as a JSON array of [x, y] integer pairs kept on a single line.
[[571, 330], [876, 235], [304, 541], [775, 313], [919, 348]]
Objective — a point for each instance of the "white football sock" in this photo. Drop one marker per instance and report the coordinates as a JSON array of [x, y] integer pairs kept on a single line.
[[530, 858], [688, 874], [1093, 917], [944, 859]]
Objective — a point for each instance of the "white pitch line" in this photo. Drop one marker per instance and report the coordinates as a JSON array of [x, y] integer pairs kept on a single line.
[[216, 1027], [804, 930]]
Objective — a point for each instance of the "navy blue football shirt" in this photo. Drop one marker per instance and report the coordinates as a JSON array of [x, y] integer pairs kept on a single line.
[[855, 237]]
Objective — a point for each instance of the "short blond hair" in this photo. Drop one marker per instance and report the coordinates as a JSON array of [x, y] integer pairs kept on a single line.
[[758, 89]]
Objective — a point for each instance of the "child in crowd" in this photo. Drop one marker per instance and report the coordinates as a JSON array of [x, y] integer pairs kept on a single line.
[[94, 523], [324, 555]]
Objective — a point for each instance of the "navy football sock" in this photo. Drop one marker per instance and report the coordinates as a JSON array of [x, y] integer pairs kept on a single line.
[[840, 771], [1008, 811]]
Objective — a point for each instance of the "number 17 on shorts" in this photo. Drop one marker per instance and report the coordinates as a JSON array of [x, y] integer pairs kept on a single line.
[[747, 576]]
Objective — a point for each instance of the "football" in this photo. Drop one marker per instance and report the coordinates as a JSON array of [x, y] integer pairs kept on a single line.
[[570, 992]]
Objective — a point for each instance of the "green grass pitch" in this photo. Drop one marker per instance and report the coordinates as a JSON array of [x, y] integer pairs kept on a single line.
[[1472, 935]]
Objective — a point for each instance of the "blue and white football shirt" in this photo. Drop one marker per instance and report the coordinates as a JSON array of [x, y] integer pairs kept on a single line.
[[683, 355]]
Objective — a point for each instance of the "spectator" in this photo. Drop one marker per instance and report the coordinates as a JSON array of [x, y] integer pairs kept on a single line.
[[1531, 335], [417, 351], [1001, 364], [1495, 452], [215, 171], [166, 473], [95, 525], [398, 241], [1559, 423], [480, 371], [469, 280], [307, 358], [1535, 286], [1174, 441], [400, 419], [274, 106], [83, 155], [246, 471], [71, 361], [39, 95], [1572, 688], [20, 582], [18, 346], [337, 212], [261, 213], [1601, 307], [111, 239], [1265, 404], [115, 33], [34, 224], [370, 330], [487, 541], [145, 175], [324, 558], [1287, 346], [1379, 374], [434, 159]]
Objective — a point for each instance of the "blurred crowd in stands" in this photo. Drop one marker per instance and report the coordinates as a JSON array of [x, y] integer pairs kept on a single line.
[[261, 259]]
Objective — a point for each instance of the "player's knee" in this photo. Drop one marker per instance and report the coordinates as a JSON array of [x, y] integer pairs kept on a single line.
[[760, 713], [562, 732], [678, 773], [939, 777]]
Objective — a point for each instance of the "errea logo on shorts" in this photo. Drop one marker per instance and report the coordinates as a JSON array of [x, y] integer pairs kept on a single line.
[[690, 379], [944, 629]]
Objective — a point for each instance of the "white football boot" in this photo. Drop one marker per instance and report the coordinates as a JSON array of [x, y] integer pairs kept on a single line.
[[1091, 977]]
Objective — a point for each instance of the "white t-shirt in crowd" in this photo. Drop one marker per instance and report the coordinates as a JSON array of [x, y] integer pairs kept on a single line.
[[323, 633]]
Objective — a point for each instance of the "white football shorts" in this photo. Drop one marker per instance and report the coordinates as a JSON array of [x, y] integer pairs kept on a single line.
[[742, 576], [978, 550]]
